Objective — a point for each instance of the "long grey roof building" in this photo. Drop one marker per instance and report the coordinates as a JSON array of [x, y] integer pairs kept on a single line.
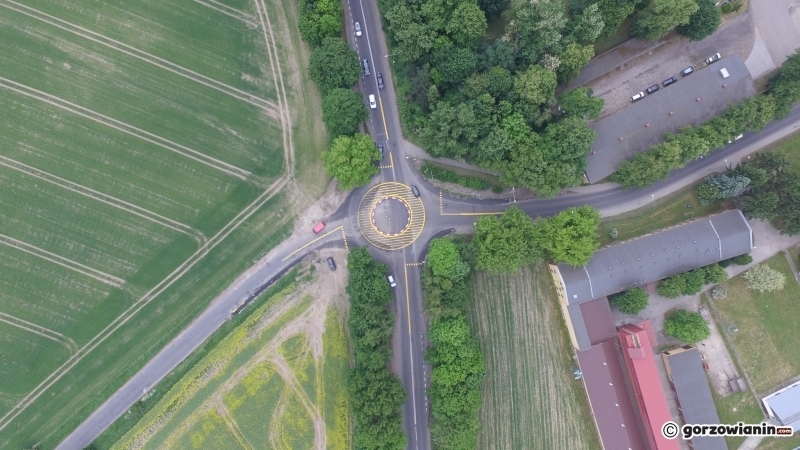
[[646, 259]]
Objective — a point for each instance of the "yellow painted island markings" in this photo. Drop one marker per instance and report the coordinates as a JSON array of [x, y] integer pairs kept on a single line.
[[416, 216]]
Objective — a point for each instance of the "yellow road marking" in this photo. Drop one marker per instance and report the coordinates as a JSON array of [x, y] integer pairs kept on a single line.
[[408, 300], [385, 128], [315, 240], [344, 238]]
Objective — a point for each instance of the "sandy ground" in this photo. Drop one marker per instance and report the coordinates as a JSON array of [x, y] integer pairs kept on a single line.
[[324, 207]]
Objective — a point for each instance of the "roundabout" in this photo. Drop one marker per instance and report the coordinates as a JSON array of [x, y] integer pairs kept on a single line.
[[390, 217]]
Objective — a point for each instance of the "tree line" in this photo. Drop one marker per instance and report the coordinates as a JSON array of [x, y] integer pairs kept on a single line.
[[647, 167], [457, 361], [376, 394]]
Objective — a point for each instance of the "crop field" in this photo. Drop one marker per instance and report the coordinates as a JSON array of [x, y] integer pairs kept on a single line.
[[530, 400], [150, 150], [277, 381]]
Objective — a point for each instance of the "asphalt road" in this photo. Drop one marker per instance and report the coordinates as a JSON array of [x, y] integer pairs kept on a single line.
[[453, 213]]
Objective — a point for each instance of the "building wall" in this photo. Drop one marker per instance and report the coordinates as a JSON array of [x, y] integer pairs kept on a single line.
[[562, 301]]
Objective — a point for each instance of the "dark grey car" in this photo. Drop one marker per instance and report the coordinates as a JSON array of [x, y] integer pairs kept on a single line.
[[380, 81], [652, 89], [669, 81], [365, 65], [415, 190], [331, 264]]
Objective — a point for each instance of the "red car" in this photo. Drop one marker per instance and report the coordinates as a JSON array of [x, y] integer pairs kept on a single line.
[[318, 228]]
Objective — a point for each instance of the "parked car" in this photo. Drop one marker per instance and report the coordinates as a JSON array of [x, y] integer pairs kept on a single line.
[[318, 227], [391, 281], [414, 190], [669, 81], [357, 27], [637, 96], [380, 81], [713, 58], [380, 149], [684, 72], [365, 65], [331, 264], [652, 89], [372, 103]]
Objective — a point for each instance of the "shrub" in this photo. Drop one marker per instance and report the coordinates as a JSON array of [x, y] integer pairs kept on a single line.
[[764, 278], [497, 189], [672, 287], [436, 173], [730, 7], [687, 326], [725, 263], [614, 233], [742, 260], [718, 293], [631, 301], [715, 274], [695, 280]]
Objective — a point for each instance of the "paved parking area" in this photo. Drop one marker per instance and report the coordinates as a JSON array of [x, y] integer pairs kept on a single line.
[[641, 124]]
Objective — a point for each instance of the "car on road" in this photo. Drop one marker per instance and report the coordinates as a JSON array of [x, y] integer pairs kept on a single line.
[[365, 65], [318, 227], [637, 96], [331, 264], [713, 58], [380, 81], [414, 190], [357, 27], [391, 280], [669, 81], [380, 149], [652, 89], [684, 72], [372, 103]]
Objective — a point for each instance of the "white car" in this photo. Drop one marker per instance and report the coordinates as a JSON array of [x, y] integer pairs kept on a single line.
[[372, 103], [391, 281], [357, 27], [637, 96]]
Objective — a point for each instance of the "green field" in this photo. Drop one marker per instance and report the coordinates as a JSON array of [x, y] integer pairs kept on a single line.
[[150, 150], [765, 342], [530, 399], [278, 380]]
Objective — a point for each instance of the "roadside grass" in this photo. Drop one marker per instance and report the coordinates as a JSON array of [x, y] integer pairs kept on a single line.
[[530, 400], [55, 151], [789, 147], [780, 443], [464, 177], [664, 212], [766, 343], [794, 253]]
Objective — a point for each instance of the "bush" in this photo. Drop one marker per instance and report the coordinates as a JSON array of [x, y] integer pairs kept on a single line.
[[695, 280], [725, 263], [436, 173], [614, 233], [764, 278], [687, 326], [718, 293], [497, 189], [672, 287], [730, 7], [715, 274], [631, 301], [742, 260]]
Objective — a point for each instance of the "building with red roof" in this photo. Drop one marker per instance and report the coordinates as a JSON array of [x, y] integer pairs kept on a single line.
[[637, 350]]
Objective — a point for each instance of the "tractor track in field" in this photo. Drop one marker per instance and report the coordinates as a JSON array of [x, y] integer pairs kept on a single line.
[[286, 179], [104, 198], [268, 106], [40, 330], [228, 11], [94, 116]]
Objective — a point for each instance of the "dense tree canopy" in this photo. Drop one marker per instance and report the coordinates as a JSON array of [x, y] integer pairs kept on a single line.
[[773, 193], [764, 278], [445, 261], [570, 236], [342, 111], [704, 22], [572, 60], [785, 85], [715, 274], [687, 326], [351, 160], [334, 65], [581, 103], [631, 301], [320, 19], [661, 16], [672, 287], [505, 243]]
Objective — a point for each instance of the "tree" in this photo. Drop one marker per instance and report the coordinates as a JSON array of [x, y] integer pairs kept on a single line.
[[661, 16], [493, 8], [715, 274], [631, 301], [451, 130], [452, 65], [467, 24], [444, 260], [587, 26], [334, 65], [320, 19], [702, 23], [537, 29], [351, 160], [614, 12], [687, 326], [342, 111], [505, 243], [574, 57], [672, 287], [718, 293], [763, 278], [535, 85], [695, 280], [580, 103], [785, 85], [570, 236]]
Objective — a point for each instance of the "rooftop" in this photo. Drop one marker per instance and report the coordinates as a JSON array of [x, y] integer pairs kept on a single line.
[[784, 405], [681, 99]]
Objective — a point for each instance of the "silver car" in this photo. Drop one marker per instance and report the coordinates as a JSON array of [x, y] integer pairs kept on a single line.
[[391, 281], [357, 27], [637, 96]]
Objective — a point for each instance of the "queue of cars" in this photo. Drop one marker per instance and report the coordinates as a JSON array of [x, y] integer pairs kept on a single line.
[[685, 72]]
